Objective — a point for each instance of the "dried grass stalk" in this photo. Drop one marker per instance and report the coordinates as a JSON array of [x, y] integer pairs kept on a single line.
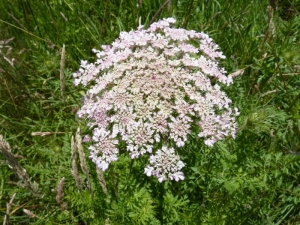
[[140, 3], [268, 92], [237, 73], [159, 11], [102, 180], [270, 30], [74, 170], [45, 133], [78, 140], [10, 61], [107, 222], [8, 206], [4, 42], [62, 73], [60, 191], [15, 19], [29, 213], [15, 166], [63, 16]]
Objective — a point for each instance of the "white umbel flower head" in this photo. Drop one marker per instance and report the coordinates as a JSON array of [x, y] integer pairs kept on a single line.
[[149, 86]]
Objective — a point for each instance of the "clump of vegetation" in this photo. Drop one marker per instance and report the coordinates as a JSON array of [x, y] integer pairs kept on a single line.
[[45, 177]]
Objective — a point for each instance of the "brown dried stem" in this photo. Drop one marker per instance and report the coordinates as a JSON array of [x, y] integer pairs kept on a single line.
[[159, 11], [74, 169], [101, 180], [60, 191], [6, 217], [15, 166], [62, 73], [83, 164]]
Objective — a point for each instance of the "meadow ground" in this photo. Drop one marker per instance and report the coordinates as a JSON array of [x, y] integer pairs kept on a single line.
[[253, 179]]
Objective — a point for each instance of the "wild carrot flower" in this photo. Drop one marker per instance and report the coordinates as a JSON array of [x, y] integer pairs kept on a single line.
[[150, 86]]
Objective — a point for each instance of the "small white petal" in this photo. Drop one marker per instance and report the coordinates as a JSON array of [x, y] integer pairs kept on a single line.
[[148, 171]]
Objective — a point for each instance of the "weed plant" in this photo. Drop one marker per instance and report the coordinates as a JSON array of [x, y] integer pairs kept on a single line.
[[254, 179]]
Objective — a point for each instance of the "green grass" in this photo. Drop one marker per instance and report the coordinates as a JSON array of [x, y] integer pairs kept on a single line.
[[253, 179]]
